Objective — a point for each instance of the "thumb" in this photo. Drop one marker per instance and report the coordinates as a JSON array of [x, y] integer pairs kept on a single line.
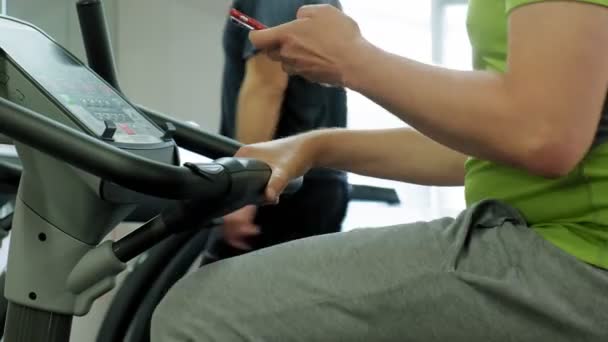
[[277, 183]]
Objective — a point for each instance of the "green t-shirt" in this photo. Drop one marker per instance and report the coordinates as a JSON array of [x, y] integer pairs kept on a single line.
[[571, 212]]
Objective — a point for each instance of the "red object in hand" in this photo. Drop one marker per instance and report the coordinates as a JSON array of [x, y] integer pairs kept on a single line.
[[245, 21]]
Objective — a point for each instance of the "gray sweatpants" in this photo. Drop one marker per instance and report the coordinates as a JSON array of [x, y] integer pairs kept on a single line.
[[484, 276]]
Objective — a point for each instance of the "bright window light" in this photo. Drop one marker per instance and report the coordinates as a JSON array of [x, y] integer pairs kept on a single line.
[[405, 27]]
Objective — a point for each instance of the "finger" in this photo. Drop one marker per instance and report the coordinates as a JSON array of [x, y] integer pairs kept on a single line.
[[238, 237], [270, 39], [251, 212], [288, 63], [239, 244], [241, 229], [308, 11], [250, 230], [230, 218]]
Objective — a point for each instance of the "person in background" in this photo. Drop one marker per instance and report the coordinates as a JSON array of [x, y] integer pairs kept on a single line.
[[261, 102]]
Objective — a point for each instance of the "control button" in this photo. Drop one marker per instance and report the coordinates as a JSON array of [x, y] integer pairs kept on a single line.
[[127, 129], [109, 131], [170, 131], [101, 116], [4, 78], [19, 95], [214, 169], [124, 118]]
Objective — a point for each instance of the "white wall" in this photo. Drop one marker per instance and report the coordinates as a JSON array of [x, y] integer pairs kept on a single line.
[[170, 58]]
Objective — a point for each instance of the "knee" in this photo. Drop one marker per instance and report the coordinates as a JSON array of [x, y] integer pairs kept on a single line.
[[193, 310], [178, 317]]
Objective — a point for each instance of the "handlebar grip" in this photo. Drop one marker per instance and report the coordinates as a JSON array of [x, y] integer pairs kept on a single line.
[[262, 173], [248, 180]]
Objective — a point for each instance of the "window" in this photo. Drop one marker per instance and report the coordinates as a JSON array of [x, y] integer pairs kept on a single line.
[[426, 31]]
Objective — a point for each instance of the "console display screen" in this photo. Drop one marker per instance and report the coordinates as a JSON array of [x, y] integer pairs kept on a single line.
[[79, 90]]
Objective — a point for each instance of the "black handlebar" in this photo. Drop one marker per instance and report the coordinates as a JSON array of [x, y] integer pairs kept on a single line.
[[193, 139], [10, 174], [207, 181], [104, 160]]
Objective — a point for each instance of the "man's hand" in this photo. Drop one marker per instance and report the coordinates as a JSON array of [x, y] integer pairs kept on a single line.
[[319, 45], [239, 226]]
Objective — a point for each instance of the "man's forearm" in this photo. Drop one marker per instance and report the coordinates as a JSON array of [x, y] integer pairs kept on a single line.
[[398, 154], [257, 115]]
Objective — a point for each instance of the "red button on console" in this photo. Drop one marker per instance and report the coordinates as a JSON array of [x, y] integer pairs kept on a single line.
[[127, 129]]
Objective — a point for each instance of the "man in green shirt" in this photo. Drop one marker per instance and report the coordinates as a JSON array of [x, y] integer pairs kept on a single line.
[[525, 133]]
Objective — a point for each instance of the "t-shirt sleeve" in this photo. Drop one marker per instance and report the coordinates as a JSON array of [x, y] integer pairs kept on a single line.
[[512, 4], [276, 12]]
